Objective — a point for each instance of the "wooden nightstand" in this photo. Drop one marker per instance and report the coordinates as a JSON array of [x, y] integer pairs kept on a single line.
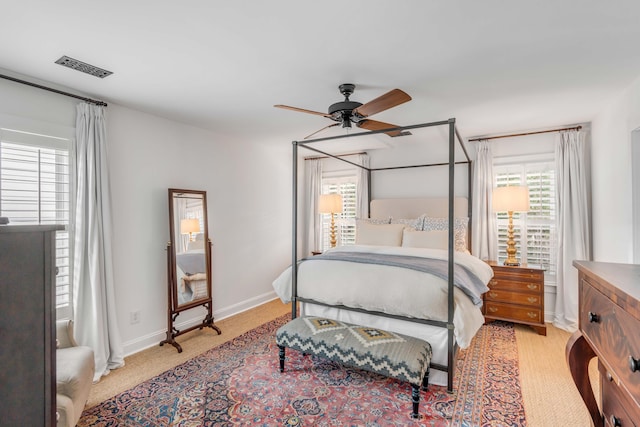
[[516, 294]]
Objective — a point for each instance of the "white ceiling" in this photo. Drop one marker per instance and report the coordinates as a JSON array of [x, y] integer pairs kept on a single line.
[[495, 65]]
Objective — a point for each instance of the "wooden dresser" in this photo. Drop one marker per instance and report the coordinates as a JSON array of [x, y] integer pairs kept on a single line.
[[27, 304], [516, 294], [609, 328]]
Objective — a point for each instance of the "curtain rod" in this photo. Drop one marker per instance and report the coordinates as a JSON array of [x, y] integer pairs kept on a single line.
[[524, 134], [337, 155], [24, 82]]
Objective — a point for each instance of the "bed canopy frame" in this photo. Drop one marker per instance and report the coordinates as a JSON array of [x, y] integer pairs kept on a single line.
[[453, 137]]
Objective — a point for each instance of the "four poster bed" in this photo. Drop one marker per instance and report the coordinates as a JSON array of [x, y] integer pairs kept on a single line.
[[410, 271]]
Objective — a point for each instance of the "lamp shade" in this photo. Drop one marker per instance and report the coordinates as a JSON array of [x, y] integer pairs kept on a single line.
[[512, 198], [189, 225], [330, 203]]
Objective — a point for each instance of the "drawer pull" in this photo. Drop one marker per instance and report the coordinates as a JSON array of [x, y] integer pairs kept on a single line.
[[593, 317], [493, 309], [615, 421], [532, 286], [493, 294], [532, 299], [634, 364], [493, 282], [532, 315]]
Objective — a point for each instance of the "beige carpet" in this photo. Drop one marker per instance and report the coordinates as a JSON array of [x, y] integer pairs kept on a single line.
[[550, 397], [549, 394]]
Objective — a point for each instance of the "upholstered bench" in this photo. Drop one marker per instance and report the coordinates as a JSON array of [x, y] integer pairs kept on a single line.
[[386, 353]]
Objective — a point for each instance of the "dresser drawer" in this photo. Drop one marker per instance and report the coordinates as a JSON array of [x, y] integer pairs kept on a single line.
[[608, 327], [513, 312], [499, 295], [498, 283], [616, 408]]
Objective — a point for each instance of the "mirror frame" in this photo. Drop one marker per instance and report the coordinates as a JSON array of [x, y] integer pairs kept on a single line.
[[173, 276], [173, 308]]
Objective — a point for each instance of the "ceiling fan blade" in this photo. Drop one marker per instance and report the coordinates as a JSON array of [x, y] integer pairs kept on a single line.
[[302, 110], [318, 131], [376, 125], [390, 99]]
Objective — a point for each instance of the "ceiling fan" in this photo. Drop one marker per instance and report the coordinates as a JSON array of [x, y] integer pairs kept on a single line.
[[349, 112]]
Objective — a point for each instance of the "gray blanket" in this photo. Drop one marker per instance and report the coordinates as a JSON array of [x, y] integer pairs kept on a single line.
[[463, 278]]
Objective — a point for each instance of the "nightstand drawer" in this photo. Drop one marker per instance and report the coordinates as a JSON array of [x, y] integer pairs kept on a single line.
[[512, 285], [513, 312], [520, 274], [513, 297]]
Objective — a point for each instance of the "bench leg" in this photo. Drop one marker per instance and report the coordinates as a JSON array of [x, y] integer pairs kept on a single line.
[[281, 355], [415, 399], [425, 381]]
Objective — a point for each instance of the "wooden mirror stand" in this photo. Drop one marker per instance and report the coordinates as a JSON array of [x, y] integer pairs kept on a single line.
[[188, 261]]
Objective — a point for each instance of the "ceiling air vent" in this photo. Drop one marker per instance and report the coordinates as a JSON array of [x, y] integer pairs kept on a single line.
[[83, 66]]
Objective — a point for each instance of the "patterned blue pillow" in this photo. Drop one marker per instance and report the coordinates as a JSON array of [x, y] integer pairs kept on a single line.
[[459, 229], [374, 221]]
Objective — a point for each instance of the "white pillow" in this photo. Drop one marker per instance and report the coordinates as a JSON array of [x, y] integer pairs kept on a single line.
[[435, 239], [379, 234]]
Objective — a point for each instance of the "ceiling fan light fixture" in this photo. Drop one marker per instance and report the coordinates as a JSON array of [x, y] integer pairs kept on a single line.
[[346, 121]]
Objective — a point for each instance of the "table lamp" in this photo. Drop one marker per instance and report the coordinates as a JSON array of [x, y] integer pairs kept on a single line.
[[190, 226], [331, 204], [511, 199]]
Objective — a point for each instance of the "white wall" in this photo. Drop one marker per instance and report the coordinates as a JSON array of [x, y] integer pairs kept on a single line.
[[431, 181], [612, 177], [248, 196]]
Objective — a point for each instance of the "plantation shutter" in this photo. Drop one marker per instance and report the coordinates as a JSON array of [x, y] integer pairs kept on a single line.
[[347, 187], [35, 189], [534, 231]]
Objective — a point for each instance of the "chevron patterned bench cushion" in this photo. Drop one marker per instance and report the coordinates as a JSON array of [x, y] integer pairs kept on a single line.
[[392, 355]]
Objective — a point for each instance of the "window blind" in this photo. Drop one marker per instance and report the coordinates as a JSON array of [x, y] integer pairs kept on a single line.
[[535, 230], [35, 189], [347, 187]]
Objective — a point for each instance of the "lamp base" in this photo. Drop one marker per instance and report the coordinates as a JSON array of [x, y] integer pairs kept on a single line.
[[510, 263]]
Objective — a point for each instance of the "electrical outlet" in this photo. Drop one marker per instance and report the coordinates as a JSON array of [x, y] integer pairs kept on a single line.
[[134, 317]]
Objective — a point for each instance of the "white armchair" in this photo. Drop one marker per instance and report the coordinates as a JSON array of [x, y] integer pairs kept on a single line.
[[75, 367]]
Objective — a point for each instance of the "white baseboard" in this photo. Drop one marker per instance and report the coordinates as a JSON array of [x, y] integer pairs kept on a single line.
[[152, 339], [549, 303]]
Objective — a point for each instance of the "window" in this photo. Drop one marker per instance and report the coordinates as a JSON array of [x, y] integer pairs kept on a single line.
[[34, 189], [534, 231], [346, 186]]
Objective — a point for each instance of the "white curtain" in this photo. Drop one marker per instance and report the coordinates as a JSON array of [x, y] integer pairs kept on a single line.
[[574, 239], [483, 227], [362, 196], [96, 324], [312, 191]]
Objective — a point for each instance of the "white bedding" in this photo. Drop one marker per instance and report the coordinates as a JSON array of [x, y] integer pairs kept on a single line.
[[387, 289], [392, 290]]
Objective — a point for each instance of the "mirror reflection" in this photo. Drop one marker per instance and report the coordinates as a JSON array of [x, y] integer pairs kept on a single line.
[[190, 244]]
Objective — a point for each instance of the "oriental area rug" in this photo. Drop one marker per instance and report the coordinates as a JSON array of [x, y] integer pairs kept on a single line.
[[239, 384]]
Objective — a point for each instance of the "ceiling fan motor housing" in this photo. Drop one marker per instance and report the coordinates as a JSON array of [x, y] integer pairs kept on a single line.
[[342, 112]]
